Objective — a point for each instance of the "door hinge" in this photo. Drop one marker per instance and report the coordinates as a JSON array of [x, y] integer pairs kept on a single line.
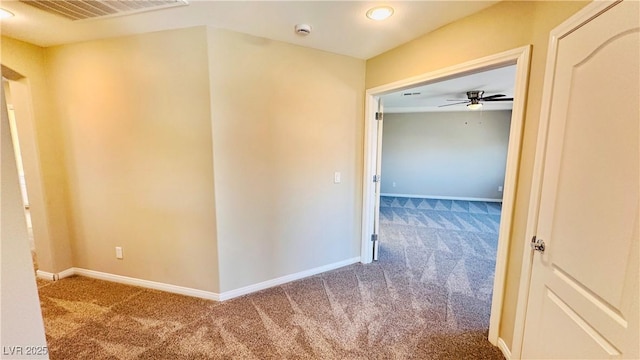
[[376, 178], [378, 116], [374, 237], [537, 244]]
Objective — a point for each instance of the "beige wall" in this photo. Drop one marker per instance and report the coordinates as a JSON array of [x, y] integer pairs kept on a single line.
[[136, 126], [285, 118], [41, 150], [137, 121], [505, 26], [20, 316]]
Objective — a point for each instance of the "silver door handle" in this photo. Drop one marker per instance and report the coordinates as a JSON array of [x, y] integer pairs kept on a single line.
[[537, 244]]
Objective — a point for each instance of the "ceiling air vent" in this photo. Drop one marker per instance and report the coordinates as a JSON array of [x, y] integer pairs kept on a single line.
[[92, 9]]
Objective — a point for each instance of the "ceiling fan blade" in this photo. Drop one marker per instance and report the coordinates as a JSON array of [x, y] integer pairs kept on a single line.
[[458, 103], [492, 96], [505, 99]]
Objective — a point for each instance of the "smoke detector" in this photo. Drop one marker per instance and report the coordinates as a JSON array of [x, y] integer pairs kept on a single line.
[[303, 29]]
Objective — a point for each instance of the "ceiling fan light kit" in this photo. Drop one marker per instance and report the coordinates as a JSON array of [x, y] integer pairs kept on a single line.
[[474, 106]]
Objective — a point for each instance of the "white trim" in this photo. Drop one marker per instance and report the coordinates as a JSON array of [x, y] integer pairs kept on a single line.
[[509, 57], [509, 194], [504, 348], [55, 276], [285, 279], [190, 291], [438, 197], [568, 26], [66, 273], [521, 57], [147, 284], [46, 275], [369, 187]]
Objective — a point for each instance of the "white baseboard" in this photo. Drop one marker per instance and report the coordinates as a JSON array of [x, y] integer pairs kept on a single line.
[[46, 275], [504, 348], [147, 284], [190, 291], [55, 276], [437, 197], [66, 273], [285, 279]]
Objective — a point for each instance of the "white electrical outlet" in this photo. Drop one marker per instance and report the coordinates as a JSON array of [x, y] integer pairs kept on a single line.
[[119, 252], [337, 177], [394, 184], [499, 188]]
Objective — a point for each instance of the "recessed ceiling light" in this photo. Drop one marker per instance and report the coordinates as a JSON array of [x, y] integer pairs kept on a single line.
[[380, 13], [5, 14]]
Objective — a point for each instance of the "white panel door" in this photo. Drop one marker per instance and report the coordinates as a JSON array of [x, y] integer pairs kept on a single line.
[[583, 298]]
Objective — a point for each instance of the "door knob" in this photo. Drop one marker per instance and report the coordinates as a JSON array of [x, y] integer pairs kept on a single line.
[[537, 244]]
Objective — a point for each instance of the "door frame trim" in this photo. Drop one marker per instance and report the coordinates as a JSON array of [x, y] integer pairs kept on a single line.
[[521, 57], [583, 16]]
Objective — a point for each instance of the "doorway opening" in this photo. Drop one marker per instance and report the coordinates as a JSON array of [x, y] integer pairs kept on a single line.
[[519, 58], [442, 176]]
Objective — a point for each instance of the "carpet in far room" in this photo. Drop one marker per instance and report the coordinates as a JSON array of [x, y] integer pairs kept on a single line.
[[449, 244]]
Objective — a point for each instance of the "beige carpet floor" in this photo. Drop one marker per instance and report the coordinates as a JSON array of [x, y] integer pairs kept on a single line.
[[357, 312], [409, 305]]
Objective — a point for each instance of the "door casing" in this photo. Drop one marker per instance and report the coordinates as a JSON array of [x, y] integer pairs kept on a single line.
[[520, 57]]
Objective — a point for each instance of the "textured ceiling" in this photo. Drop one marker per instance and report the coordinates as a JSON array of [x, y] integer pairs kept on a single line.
[[337, 26]]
